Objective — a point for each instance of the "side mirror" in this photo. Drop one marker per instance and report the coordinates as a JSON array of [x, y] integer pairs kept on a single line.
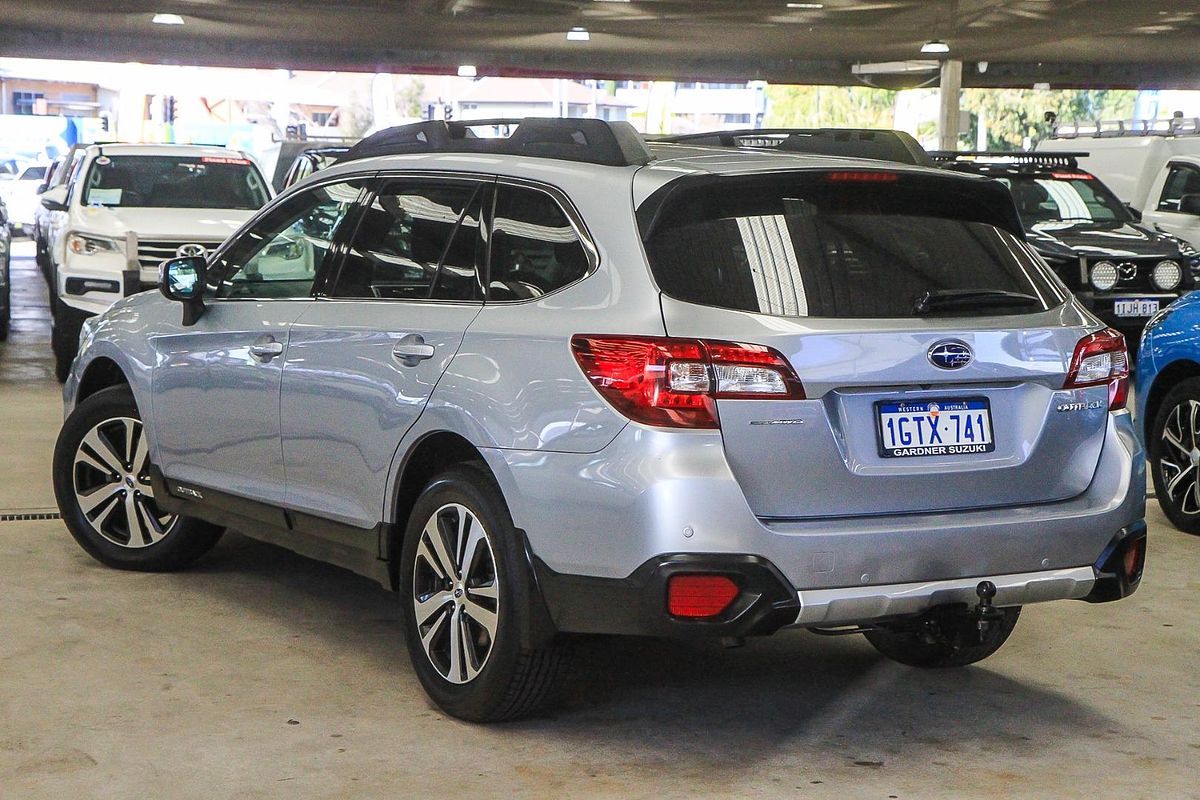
[[183, 280], [55, 199], [1190, 204], [1133, 212]]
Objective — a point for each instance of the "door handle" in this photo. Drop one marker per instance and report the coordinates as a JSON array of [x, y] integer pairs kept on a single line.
[[412, 350], [265, 348]]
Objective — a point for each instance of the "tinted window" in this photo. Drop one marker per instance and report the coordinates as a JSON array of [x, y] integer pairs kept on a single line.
[[279, 257], [800, 246], [1181, 180], [416, 241], [535, 249], [33, 174], [1059, 197], [174, 182]]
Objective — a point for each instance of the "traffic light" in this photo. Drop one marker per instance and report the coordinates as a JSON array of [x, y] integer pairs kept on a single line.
[[169, 108]]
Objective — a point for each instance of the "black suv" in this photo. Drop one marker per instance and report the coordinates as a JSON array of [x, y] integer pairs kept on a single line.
[[1122, 270]]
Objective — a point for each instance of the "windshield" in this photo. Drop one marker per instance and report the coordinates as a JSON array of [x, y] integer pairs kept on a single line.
[[809, 246], [174, 182], [1064, 196]]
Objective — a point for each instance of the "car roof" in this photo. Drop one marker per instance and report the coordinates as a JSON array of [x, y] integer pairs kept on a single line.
[[994, 168], [163, 149], [672, 161]]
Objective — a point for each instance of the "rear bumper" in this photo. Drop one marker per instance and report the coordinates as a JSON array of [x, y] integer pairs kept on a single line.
[[653, 492], [637, 605]]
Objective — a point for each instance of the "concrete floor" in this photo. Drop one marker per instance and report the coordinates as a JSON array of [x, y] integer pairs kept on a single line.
[[262, 674]]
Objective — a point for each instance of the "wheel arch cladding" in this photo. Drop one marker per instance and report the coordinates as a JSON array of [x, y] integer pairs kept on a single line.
[[101, 373], [1166, 379], [432, 454]]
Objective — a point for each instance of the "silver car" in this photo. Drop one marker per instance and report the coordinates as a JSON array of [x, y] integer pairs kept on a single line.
[[564, 382]]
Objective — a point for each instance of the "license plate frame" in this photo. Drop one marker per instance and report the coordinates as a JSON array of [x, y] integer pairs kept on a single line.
[[949, 405], [1136, 307]]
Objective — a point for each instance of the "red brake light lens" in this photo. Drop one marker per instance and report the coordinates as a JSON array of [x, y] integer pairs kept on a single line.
[[861, 176], [675, 383], [699, 596], [1102, 358]]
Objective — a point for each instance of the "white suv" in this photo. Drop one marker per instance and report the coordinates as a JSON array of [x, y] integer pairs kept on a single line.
[[124, 210]]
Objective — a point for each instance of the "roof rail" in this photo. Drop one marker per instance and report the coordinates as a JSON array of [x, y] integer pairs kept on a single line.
[[880, 144], [1049, 159], [1114, 128], [589, 141]]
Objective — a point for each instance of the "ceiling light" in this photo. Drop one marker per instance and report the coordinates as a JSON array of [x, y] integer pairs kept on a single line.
[[167, 19], [935, 46], [805, 5], [578, 34], [467, 71]]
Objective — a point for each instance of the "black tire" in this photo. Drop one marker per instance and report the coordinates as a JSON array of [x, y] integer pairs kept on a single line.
[[66, 324], [944, 648], [1181, 502], [511, 681], [180, 540]]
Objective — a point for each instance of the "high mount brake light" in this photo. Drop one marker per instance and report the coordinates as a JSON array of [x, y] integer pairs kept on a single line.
[[675, 383], [859, 176], [1102, 358]]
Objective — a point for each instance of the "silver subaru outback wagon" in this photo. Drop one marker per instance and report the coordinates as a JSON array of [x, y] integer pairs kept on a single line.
[[562, 382]]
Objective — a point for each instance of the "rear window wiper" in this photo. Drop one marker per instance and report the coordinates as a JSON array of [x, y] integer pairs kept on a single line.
[[970, 298]]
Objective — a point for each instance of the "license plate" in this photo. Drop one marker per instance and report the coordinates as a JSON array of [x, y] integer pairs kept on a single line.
[[948, 427], [1135, 308]]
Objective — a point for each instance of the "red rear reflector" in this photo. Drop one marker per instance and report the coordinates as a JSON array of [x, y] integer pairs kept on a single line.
[[858, 176], [1101, 358], [1134, 560], [674, 383], [697, 596]]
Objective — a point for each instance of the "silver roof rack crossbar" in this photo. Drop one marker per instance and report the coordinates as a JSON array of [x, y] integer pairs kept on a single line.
[[588, 141], [1113, 128]]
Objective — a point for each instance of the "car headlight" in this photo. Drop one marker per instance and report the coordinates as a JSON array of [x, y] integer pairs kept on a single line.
[[82, 245], [1104, 275], [1167, 275]]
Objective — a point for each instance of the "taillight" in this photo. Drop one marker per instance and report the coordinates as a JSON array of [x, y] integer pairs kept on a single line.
[[1101, 358], [861, 176], [675, 383]]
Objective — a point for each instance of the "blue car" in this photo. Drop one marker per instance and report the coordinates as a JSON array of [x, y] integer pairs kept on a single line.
[[1168, 404]]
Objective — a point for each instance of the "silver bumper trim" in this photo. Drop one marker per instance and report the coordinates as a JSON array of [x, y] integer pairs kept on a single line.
[[865, 603]]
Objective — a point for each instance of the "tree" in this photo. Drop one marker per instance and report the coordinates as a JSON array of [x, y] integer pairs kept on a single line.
[[1016, 117], [830, 106]]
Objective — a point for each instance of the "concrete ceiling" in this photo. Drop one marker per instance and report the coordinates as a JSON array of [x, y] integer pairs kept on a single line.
[[1067, 43]]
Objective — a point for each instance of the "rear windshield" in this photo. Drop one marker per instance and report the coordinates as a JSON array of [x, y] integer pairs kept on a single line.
[[174, 182], [828, 245]]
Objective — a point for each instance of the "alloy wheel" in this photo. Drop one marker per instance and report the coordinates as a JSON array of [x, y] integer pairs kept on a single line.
[[456, 593], [1179, 457], [111, 474]]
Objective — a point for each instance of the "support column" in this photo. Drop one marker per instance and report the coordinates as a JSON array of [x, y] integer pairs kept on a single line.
[[951, 86]]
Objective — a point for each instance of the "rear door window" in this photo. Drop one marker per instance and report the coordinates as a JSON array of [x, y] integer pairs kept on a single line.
[[812, 245], [535, 249]]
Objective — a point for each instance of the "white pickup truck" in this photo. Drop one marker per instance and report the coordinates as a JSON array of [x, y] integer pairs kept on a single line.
[[126, 208], [1151, 165]]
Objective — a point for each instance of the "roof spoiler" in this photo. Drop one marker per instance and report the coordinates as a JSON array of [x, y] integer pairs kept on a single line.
[[880, 144]]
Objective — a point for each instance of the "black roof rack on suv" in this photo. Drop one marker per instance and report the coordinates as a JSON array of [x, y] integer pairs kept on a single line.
[[1046, 159], [589, 141], [879, 144]]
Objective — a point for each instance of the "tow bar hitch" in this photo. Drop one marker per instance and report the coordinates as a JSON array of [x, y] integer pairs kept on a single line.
[[986, 614]]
